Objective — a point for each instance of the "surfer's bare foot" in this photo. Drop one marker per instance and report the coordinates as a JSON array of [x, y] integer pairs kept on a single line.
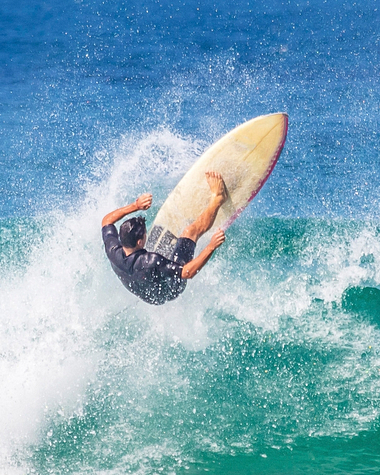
[[217, 186]]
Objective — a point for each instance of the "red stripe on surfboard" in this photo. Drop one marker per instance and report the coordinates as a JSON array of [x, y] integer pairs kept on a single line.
[[275, 158]]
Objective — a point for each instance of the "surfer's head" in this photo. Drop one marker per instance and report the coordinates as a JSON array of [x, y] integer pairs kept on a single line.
[[131, 231]]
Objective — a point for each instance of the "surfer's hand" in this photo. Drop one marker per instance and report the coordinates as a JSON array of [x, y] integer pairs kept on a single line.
[[144, 201], [217, 239]]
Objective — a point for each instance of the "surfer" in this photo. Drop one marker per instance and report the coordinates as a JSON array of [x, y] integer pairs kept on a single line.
[[149, 275]]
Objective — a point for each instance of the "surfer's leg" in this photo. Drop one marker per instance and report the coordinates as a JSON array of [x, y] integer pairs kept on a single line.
[[205, 221]]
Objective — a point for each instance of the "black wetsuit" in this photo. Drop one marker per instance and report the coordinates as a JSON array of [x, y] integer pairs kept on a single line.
[[149, 275]]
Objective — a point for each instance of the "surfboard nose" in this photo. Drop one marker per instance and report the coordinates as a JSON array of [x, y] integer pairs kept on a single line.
[[251, 133]]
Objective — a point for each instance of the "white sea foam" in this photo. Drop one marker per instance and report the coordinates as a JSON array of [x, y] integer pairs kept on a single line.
[[68, 291]]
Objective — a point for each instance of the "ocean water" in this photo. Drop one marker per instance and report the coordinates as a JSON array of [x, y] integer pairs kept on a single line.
[[269, 363]]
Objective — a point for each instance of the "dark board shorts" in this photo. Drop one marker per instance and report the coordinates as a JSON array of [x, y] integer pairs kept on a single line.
[[183, 251]]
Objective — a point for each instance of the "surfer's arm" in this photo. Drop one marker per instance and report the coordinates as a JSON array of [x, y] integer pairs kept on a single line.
[[142, 203], [193, 267]]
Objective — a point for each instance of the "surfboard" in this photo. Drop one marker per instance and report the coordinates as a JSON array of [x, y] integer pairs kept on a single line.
[[245, 157]]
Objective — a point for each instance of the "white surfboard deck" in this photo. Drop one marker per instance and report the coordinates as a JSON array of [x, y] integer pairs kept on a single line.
[[245, 157]]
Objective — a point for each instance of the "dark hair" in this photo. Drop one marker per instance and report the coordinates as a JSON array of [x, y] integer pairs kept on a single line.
[[131, 231]]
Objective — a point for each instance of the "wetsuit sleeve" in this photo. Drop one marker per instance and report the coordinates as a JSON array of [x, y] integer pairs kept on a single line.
[[110, 239]]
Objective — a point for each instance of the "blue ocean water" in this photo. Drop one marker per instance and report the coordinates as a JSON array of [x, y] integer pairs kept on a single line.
[[269, 363]]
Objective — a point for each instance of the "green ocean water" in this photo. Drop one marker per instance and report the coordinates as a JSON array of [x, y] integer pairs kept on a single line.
[[269, 363]]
